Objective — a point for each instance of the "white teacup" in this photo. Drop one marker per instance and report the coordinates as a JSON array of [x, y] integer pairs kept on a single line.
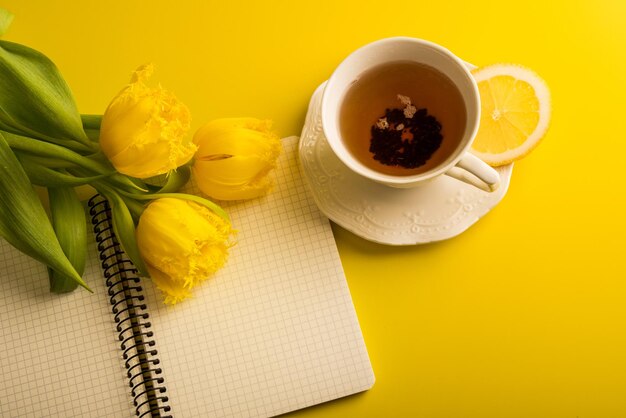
[[460, 164]]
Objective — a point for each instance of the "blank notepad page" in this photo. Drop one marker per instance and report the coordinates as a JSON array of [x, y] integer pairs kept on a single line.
[[59, 354], [275, 330]]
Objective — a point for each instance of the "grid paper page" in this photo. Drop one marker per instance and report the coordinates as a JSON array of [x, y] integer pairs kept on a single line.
[[59, 354], [275, 330]]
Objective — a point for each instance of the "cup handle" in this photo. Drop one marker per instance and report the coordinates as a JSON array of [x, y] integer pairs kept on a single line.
[[472, 170]]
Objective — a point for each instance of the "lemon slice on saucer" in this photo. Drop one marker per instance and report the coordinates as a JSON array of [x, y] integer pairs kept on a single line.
[[515, 113]]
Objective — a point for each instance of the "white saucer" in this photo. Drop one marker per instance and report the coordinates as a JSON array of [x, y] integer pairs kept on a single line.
[[438, 210]]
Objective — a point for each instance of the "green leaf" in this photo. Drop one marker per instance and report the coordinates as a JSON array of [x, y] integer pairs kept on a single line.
[[70, 225], [23, 220], [124, 227], [6, 18], [13, 239], [35, 100]]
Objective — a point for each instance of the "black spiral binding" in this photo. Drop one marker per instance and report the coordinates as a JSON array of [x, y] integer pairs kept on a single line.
[[131, 317]]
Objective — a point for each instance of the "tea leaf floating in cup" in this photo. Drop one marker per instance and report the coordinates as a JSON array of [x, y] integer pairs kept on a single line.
[[405, 137]]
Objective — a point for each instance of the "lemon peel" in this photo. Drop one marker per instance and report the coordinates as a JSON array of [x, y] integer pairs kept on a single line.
[[515, 113]]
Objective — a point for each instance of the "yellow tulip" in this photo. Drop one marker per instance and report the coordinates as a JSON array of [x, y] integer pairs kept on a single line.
[[234, 158], [182, 243], [143, 129]]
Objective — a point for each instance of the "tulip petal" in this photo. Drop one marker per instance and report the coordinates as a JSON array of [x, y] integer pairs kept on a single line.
[[249, 191], [183, 240], [235, 171], [236, 141], [234, 178], [143, 129], [173, 292], [234, 158]]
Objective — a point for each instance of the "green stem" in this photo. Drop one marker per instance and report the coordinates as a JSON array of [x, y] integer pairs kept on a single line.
[[94, 164], [134, 205], [197, 199], [91, 126], [48, 150], [115, 180], [91, 121], [79, 145], [136, 208], [44, 161], [123, 225], [43, 176], [93, 134]]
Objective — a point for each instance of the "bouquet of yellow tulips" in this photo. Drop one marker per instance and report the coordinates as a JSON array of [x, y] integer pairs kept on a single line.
[[137, 155]]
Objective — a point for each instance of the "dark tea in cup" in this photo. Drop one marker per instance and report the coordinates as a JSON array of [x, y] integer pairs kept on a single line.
[[402, 118]]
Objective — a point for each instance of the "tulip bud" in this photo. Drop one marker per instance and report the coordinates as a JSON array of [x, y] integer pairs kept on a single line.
[[183, 243], [143, 129], [234, 158]]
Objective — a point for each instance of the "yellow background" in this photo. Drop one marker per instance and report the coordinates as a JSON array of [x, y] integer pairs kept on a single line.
[[524, 315]]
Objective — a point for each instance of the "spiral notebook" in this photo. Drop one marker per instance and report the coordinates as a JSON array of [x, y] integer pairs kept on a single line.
[[273, 331]]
